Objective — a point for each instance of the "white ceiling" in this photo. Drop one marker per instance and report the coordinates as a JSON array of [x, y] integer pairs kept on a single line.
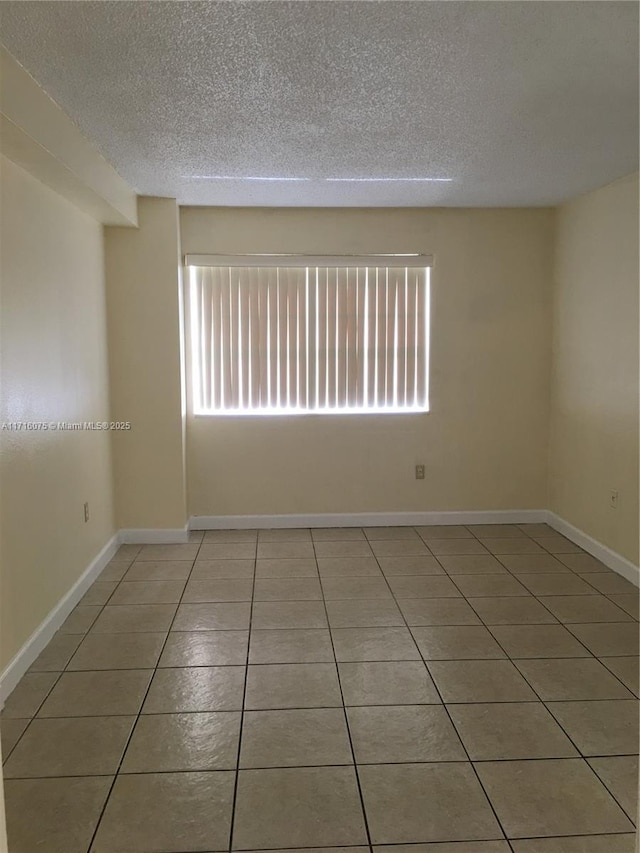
[[518, 103]]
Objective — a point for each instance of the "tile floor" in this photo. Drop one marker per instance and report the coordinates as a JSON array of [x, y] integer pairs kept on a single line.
[[409, 690]]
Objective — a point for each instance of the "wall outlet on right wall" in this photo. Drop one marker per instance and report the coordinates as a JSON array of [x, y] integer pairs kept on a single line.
[[613, 499]]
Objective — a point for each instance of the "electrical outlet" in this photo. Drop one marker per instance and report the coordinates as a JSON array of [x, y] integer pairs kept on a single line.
[[419, 472], [86, 512], [613, 499]]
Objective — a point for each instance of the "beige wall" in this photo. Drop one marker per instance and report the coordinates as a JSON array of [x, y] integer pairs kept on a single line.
[[594, 434], [485, 441], [53, 368], [143, 299]]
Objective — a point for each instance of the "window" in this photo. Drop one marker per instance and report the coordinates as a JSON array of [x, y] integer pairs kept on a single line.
[[289, 335]]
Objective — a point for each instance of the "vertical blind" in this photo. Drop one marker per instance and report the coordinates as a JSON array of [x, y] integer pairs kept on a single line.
[[295, 339]]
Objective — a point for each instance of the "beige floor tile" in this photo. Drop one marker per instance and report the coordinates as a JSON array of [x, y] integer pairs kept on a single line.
[[416, 564], [298, 645], [97, 694], [11, 731], [558, 583], [446, 847], [399, 547], [318, 850], [600, 728], [529, 564], [134, 618], [538, 641], [76, 746], [550, 797], [517, 610], [395, 798], [226, 616], [57, 654], [99, 592], [510, 730], [380, 534], [286, 569], [218, 589], [336, 534], [408, 586], [29, 694], [127, 552], [624, 843], [225, 536], [536, 529], [213, 569], [289, 614], [496, 531], [295, 738], [159, 570], [195, 537], [204, 689], [444, 531], [572, 678], [611, 640], [348, 567], [344, 548], [620, 775], [227, 551], [80, 620], [626, 669], [118, 651], [284, 550], [471, 564], [629, 603], [611, 583], [517, 545], [205, 648], [437, 611], [357, 588], [171, 742], [442, 547], [114, 571], [148, 592], [362, 644], [285, 534], [167, 552], [364, 613], [387, 683], [583, 563], [287, 589], [486, 586], [480, 681], [456, 642], [298, 807], [391, 734], [292, 685], [54, 815], [558, 545], [158, 811]]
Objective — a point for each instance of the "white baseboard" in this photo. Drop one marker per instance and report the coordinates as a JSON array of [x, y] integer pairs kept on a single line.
[[45, 631], [154, 536], [367, 519], [601, 552]]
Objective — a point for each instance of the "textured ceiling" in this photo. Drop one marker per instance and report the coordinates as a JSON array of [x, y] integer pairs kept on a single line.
[[518, 103]]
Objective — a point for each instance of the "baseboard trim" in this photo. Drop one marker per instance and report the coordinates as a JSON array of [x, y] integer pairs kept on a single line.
[[45, 631], [367, 519], [601, 552], [154, 536]]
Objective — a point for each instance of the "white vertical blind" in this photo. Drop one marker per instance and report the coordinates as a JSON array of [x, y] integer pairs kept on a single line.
[[309, 338]]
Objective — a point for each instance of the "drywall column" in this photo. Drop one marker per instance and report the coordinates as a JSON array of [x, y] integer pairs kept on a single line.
[[594, 394], [145, 361]]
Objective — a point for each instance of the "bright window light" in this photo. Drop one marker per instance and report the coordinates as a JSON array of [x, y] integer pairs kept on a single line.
[[294, 340]]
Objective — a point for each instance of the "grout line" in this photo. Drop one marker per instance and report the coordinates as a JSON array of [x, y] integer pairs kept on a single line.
[[345, 715], [144, 699]]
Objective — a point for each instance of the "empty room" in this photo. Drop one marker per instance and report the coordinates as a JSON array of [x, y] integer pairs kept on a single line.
[[319, 387]]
